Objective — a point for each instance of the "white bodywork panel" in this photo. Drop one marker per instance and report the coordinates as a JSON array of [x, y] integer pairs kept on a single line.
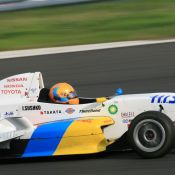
[[20, 87], [15, 91], [20, 113]]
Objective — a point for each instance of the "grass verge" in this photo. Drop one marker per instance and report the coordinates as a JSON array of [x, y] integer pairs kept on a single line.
[[105, 21]]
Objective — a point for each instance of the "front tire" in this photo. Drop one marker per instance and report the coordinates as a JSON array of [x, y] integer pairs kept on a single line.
[[151, 134]]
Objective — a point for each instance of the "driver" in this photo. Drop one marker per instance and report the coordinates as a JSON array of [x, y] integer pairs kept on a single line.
[[63, 93]]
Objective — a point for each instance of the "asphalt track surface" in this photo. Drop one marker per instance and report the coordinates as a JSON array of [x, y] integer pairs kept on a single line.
[[136, 69]]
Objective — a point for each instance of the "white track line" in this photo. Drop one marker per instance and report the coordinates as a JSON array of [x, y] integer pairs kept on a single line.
[[78, 48]]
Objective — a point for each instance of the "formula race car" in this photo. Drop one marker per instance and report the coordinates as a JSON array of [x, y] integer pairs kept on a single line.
[[32, 126]]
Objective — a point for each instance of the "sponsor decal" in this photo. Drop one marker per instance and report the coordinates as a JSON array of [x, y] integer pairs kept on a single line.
[[8, 114], [85, 121], [10, 92], [89, 110], [33, 90], [26, 93], [31, 108], [70, 110], [11, 86], [127, 121], [108, 121], [93, 106], [127, 114], [17, 79], [113, 109], [51, 112], [163, 99]]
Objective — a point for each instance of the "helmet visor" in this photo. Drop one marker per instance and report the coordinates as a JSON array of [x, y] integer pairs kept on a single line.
[[72, 95]]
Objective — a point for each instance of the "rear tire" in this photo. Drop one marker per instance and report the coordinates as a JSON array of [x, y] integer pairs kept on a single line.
[[151, 134]]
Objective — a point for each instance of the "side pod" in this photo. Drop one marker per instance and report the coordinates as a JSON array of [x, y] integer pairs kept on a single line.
[[84, 136], [68, 137]]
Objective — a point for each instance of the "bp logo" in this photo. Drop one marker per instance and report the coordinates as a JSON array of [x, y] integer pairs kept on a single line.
[[113, 109]]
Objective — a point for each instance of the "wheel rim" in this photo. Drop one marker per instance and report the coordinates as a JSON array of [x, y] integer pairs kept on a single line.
[[149, 135]]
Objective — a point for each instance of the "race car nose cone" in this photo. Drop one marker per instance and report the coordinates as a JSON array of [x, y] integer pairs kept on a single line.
[[119, 91]]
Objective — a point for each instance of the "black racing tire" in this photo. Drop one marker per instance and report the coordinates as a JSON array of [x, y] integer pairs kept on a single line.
[[151, 134]]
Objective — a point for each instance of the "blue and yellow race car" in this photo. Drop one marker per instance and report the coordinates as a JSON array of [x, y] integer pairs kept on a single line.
[[32, 126]]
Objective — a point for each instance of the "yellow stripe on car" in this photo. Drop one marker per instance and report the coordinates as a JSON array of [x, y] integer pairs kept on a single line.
[[84, 136]]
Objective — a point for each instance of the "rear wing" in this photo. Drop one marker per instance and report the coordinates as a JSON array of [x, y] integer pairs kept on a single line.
[[27, 85]]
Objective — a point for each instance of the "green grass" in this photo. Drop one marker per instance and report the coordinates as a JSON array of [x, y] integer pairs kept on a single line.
[[87, 23]]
